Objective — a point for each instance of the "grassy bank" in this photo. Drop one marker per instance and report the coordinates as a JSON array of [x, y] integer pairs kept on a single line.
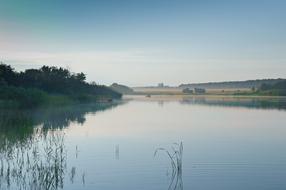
[[17, 97]]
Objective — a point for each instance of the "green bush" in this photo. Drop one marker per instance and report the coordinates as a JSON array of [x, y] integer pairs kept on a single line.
[[22, 97]]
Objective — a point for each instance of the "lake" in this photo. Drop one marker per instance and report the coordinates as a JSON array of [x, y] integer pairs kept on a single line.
[[216, 143]]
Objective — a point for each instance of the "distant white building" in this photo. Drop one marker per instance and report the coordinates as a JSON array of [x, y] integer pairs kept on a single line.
[[161, 85]]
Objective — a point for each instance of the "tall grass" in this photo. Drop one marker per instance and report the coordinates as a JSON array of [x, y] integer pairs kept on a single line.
[[175, 156], [39, 166]]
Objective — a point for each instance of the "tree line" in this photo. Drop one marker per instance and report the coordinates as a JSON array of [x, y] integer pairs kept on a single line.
[[233, 84], [278, 88], [49, 80]]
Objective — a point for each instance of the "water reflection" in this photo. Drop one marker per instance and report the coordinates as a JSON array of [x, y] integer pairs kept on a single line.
[[41, 164], [176, 182], [224, 101], [258, 103], [32, 146], [19, 124], [51, 117], [223, 147]]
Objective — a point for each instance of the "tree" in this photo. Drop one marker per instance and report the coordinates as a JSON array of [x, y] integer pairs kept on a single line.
[[7, 74], [51, 80], [81, 77]]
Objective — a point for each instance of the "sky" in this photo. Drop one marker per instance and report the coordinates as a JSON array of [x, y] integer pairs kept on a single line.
[[145, 42]]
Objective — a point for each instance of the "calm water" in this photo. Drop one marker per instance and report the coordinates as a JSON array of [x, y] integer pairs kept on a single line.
[[228, 143]]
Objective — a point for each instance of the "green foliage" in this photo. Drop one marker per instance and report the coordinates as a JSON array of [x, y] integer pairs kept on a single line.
[[59, 100], [39, 86], [277, 89], [22, 97], [7, 74]]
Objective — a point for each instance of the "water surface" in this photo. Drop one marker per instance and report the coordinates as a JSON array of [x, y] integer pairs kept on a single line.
[[228, 143]]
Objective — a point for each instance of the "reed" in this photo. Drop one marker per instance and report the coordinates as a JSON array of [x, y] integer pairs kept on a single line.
[[39, 165], [175, 155]]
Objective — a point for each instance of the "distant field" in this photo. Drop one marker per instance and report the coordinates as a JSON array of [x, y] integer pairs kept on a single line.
[[178, 91], [158, 90]]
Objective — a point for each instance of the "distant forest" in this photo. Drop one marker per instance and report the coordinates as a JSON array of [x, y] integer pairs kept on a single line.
[[33, 87], [233, 84]]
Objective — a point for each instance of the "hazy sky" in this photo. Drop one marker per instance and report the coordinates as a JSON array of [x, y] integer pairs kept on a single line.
[[144, 42]]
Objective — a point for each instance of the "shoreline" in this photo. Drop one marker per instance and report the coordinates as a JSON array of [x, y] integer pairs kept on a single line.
[[222, 98], [202, 95]]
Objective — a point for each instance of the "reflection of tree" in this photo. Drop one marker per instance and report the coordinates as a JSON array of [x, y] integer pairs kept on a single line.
[[35, 157], [14, 131], [61, 117], [18, 125]]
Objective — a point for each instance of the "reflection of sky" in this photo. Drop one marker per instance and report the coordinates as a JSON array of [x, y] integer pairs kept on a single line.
[[148, 118], [171, 41], [224, 147]]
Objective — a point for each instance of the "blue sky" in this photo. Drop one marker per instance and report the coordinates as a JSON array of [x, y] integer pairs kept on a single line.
[[144, 42]]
